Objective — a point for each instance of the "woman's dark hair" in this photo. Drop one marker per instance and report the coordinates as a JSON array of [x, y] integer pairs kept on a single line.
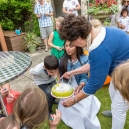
[[124, 10], [64, 59], [51, 62], [74, 26]]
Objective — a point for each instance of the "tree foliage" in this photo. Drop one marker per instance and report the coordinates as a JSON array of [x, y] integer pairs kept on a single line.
[[15, 13]]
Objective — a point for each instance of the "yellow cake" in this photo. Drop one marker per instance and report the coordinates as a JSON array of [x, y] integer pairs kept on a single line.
[[62, 90]]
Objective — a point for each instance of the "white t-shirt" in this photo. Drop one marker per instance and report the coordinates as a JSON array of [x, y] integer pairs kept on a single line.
[[125, 21], [70, 4]]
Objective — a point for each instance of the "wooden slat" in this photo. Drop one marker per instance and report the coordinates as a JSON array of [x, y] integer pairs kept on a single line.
[[2, 40]]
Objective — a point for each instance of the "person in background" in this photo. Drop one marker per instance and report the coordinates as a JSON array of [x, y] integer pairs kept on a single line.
[[43, 77], [44, 11], [30, 111], [109, 46], [124, 20], [55, 42], [115, 21], [71, 7]]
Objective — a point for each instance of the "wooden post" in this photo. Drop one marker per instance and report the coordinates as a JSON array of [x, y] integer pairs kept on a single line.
[[2, 40]]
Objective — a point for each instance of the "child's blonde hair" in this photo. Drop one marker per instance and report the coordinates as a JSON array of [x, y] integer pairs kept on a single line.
[[120, 79], [96, 23], [59, 19]]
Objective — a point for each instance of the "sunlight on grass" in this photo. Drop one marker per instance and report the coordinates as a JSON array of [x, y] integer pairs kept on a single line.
[[104, 98]]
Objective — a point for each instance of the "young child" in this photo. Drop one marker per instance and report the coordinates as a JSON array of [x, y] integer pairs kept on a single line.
[[120, 91], [55, 42], [30, 111], [124, 20], [43, 76]]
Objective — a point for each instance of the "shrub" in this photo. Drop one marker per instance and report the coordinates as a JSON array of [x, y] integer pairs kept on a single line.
[[13, 13]]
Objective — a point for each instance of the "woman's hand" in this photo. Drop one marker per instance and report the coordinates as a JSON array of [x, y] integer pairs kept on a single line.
[[67, 75], [68, 102], [55, 119], [77, 90]]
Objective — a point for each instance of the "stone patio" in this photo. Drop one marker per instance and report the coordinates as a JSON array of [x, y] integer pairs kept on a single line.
[[26, 80]]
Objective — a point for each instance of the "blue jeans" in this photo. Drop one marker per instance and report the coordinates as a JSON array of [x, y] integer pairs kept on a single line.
[[47, 89]]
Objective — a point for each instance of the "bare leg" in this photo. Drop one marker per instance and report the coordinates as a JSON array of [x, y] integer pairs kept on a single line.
[[45, 42]]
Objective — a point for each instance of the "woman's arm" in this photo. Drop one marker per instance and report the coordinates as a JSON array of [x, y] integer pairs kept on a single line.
[[51, 44], [84, 69]]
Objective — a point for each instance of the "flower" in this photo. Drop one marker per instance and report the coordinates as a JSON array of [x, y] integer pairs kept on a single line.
[[108, 3], [107, 6]]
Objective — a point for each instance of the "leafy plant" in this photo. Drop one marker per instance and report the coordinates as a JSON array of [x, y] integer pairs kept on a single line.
[[7, 24], [32, 25], [16, 11], [30, 40]]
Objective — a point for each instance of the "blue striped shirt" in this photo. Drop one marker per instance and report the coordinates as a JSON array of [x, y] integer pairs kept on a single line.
[[44, 21]]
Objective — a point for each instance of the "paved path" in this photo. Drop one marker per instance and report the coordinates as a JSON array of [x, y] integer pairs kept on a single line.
[[26, 80]]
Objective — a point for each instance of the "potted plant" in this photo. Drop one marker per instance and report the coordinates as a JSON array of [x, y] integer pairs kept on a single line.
[[102, 10], [30, 42]]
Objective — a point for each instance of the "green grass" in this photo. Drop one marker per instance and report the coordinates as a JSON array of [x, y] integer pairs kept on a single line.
[[104, 98]]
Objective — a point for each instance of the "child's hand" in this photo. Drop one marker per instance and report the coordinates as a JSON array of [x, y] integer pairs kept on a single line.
[[55, 119], [4, 92], [58, 48], [10, 97], [63, 48]]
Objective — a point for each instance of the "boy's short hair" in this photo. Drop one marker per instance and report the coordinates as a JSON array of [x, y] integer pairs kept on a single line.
[[124, 10], [51, 62]]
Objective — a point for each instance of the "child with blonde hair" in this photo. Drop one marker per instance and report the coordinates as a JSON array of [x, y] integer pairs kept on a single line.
[[55, 41], [120, 79], [119, 93], [96, 23]]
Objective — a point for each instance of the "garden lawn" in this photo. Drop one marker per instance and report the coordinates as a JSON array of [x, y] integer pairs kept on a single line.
[[105, 122]]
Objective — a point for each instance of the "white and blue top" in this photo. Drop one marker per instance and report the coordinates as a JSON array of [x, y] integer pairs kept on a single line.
[[44, 21]]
